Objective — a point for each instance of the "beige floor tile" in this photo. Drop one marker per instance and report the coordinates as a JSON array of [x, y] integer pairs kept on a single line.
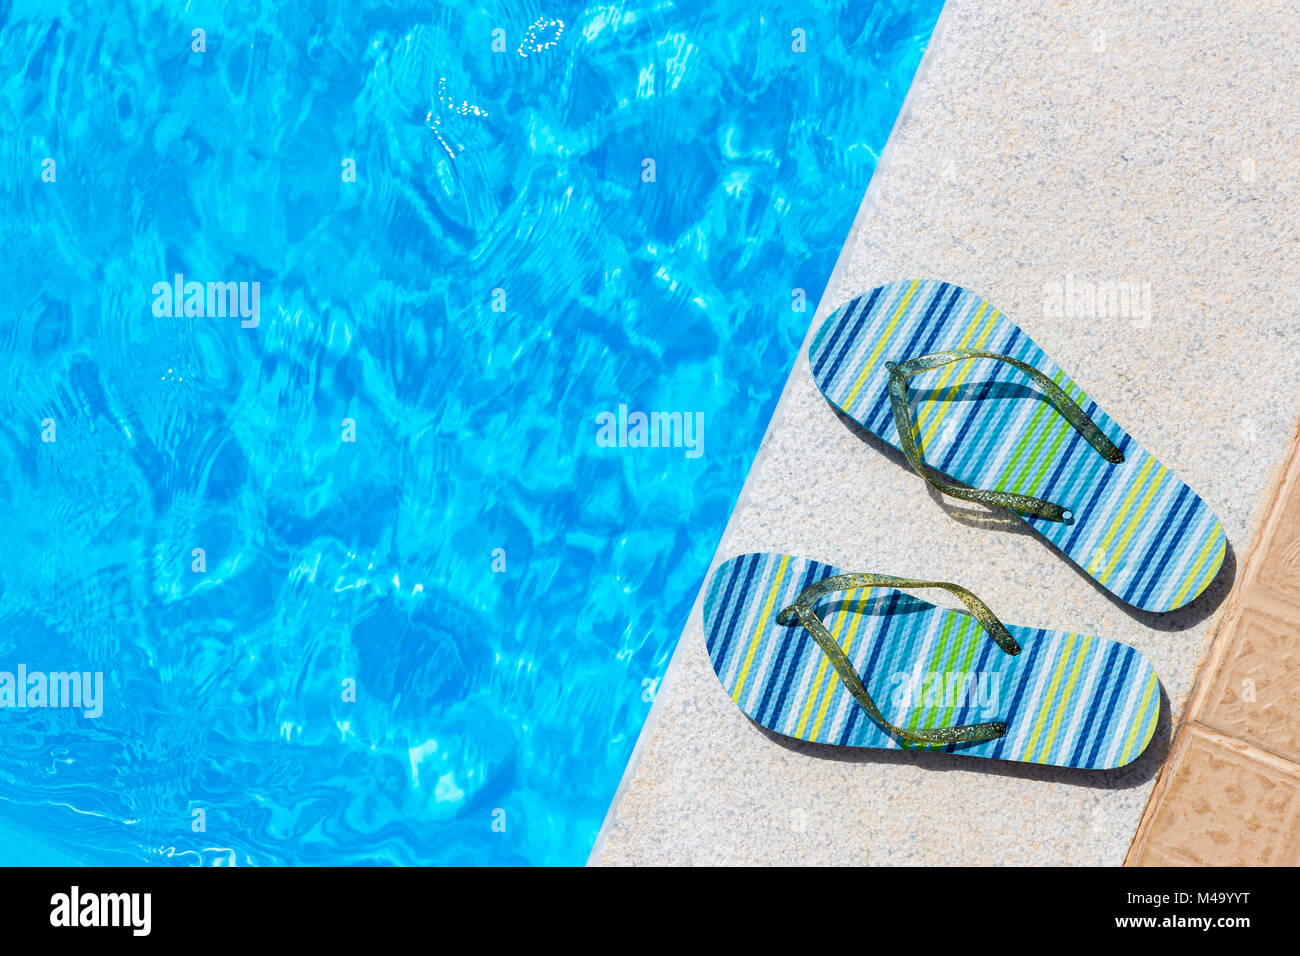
[[1255, 694], [1225, 806]]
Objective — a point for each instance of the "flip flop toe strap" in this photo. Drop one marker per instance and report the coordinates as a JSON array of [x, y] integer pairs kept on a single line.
[[803, 611], [899, 374]]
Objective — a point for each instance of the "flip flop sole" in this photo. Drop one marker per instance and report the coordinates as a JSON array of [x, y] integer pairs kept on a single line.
[[1068, 699], [1137, 529]]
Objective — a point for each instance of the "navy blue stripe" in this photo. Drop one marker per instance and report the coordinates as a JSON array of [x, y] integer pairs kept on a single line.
[[865, 674], [774, 676], [1175, 544], [972, 412], [795, 637], [913, 347], [739, 615], [849, 725], [1079, 525], [1109, 711], [1157, 541], [848, 341], [1085, 732], [1036, 646], [792, 636], [725, 605], [850, 311]]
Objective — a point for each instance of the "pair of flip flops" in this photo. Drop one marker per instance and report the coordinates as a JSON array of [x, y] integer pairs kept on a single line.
[[982, 414]]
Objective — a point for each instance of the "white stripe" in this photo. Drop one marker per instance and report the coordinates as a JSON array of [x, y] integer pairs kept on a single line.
[[849, 368], [948, 338], [1004, 441], [814, 652], [977, 440], [733, 608], [843, 702], [1074, 495], [828, 348], [926, 650], [1113, 509], [877, 378], [989, 445], [991, 466]]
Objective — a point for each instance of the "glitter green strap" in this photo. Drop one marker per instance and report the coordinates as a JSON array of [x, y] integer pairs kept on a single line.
[[802, 609], [901, 372]]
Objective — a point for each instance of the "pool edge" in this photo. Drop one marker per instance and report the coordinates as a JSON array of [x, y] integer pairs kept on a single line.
[[824, 307]]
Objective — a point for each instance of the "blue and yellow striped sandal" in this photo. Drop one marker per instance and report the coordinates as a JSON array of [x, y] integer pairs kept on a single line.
[[810, 652], [984, 415]]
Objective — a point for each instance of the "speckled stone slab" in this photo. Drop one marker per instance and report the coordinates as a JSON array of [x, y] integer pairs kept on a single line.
[[1048, 157]]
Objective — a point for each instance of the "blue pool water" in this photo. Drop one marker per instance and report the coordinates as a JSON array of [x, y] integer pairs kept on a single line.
[[363, 582]]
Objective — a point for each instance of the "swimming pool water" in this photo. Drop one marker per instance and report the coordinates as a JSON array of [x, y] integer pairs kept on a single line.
[[364, 577]]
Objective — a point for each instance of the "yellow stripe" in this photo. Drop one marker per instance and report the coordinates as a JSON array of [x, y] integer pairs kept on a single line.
[[854, 625], [1133, 524], [1115, 525], [1139, 720], [762, 625], [1051, 693], [1065, 701], [814, 688], [939, 407], [870, 363], [1196, 569]]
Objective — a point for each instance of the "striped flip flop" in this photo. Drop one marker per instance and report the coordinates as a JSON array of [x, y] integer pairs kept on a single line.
[[986, 416], [848, 659]]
